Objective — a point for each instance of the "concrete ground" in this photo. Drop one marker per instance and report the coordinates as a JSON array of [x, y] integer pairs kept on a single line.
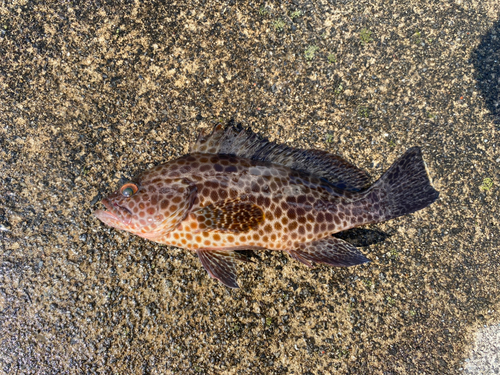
[[485, 355], [94, 91]]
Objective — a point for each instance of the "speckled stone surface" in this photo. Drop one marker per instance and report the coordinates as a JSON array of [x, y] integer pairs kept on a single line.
[[485, 354], [94, 91]]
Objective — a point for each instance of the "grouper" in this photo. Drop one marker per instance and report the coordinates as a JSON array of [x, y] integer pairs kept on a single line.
[[238, 191]]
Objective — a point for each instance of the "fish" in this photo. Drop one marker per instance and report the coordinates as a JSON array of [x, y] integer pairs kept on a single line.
[[235, 190]]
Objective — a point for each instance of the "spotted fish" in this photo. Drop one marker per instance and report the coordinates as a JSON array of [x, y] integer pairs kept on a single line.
[[238, 191]]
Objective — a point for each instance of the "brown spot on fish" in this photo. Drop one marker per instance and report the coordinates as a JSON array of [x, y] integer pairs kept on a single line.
[[214, 195], [278, 212]]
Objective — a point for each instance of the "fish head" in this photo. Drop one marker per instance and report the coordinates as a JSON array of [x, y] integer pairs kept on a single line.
[[149, 205]]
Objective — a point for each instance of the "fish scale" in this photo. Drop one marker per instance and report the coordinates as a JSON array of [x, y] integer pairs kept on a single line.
[[236, 191]]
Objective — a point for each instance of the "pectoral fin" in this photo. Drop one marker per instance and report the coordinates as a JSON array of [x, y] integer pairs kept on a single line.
[[221, 265], [331, 250], [230, 216]]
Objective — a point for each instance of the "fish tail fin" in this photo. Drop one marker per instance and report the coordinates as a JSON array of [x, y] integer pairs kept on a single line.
[[404, 188]]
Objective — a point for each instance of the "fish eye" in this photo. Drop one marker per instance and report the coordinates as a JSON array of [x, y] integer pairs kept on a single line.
[[128, 189]]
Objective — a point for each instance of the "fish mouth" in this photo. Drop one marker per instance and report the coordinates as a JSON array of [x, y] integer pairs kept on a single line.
[[113, 213]]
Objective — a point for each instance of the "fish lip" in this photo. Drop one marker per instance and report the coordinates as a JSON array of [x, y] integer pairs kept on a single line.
[[115, 211], [105, 216]]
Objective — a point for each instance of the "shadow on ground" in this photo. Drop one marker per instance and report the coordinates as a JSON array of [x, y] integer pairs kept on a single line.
[[363, 237], [486, 59]]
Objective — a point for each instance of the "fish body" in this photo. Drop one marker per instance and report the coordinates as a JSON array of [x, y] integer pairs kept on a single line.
[[237, 191]]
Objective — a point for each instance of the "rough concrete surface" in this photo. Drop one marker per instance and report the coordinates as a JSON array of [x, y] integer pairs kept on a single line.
[[485, 358], [94, 91]]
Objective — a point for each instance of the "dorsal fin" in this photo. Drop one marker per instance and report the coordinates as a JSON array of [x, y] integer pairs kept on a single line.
[[245, 143]]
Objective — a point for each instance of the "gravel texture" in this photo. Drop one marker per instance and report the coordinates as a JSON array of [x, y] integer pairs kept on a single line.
[[485, 355], [94, 91]]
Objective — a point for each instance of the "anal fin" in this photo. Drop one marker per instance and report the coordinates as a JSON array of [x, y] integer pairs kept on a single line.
[[332, 251], [221, 265]]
